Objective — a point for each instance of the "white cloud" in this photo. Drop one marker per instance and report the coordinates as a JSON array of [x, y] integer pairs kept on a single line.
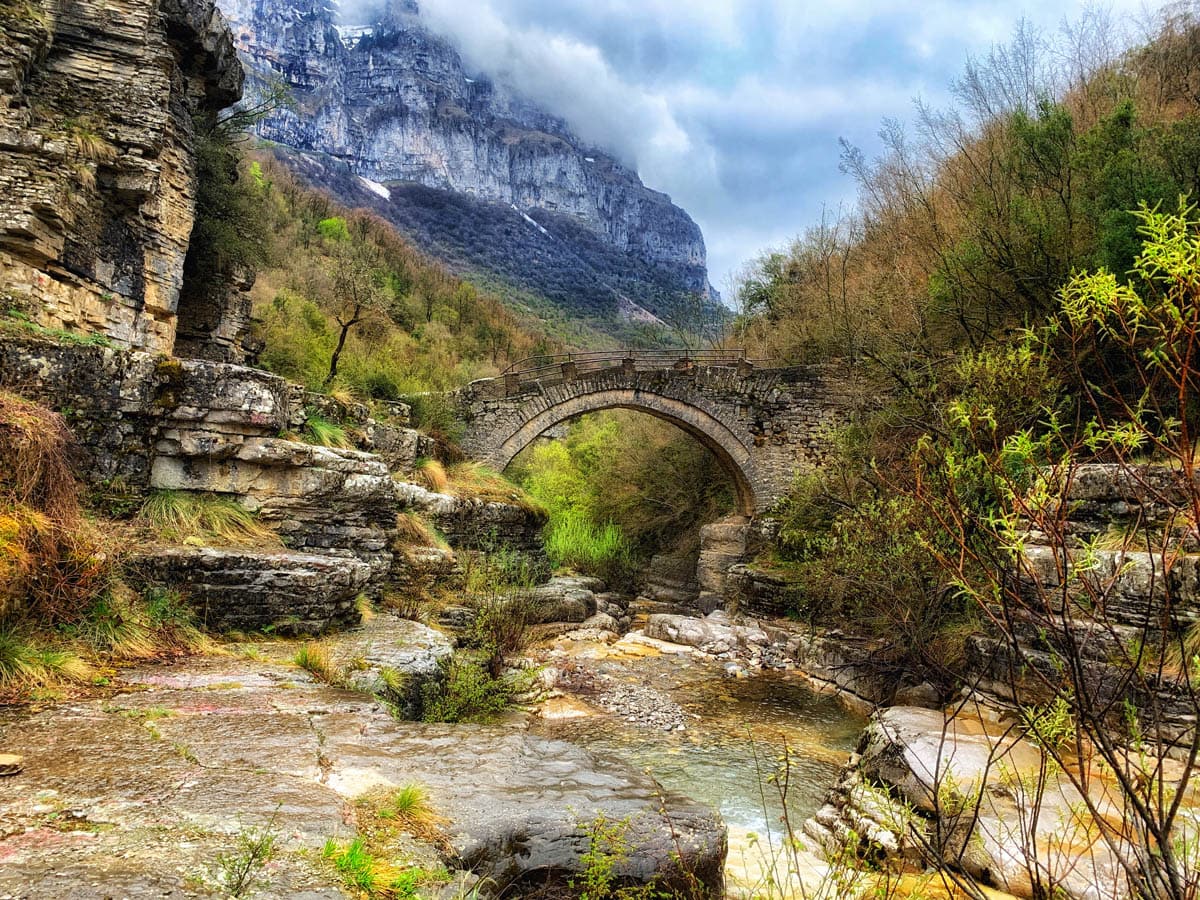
[[735, 107]]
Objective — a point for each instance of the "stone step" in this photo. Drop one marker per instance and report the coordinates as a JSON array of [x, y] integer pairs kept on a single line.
[[247, 590]]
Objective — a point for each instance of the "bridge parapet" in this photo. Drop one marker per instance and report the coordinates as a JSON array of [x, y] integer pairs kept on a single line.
[[763, 424]]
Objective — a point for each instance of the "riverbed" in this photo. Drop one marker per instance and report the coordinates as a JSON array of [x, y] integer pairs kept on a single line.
[[738, 731]]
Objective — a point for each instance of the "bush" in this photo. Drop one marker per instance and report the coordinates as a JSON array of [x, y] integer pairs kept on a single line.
[[464, 691], [575, 542]]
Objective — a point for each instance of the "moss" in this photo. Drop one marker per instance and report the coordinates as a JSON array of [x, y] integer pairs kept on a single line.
[[169, 376]]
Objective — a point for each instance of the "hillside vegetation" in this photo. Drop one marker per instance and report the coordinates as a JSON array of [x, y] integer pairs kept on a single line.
[[342, 282], [964, 235]]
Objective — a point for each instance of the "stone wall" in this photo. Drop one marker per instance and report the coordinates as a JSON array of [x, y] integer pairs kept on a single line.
[[764, 425], [97, 173]]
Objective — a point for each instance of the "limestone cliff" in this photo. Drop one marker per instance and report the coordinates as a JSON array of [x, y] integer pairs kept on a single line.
[[393, 119], [97, 173]]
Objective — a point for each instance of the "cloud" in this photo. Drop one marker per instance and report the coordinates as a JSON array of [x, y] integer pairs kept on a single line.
[[735, 107]]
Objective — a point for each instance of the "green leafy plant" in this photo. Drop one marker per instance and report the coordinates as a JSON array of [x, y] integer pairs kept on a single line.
[[240, 871], [464, 691]]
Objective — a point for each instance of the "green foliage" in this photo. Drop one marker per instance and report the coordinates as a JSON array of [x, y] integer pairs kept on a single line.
[[315, 658], [333, 229], [239, 872], [365, 872], [325, 433], [464, 691], [576, 542], [26, 662], [230, 235], [621, 487], [419, 329]]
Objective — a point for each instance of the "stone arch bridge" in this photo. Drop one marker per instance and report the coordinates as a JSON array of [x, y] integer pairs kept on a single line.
[[763, 423]]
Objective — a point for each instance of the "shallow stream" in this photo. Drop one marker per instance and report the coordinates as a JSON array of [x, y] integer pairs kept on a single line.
[[738, 732]]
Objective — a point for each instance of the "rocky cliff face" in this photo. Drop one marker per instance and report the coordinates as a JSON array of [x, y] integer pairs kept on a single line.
[[394, 108], [97, 172]]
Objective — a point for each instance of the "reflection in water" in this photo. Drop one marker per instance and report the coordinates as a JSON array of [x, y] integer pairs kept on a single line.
[[714, 760]]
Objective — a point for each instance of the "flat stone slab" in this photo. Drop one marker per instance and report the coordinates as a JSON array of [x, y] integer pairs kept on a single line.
[[138, 795]]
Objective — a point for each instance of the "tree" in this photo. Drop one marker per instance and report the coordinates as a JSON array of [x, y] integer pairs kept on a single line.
[[356, 295]]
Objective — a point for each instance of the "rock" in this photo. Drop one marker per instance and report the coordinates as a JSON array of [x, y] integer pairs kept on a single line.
[[245, 590], [419, 570], [401, 107], [923, 695], [235, 740], [475, 524], [105, 255], [392, 657], [593, 635], [601, 621], [710, 636], [11, 764], [722, 544], [671, 579], [965, 780], [754, 591], [457, 617], [566, 599]]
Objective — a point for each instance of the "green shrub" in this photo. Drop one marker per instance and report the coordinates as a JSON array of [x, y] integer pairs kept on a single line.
[[575, 542], [464, 691], [333, 229]]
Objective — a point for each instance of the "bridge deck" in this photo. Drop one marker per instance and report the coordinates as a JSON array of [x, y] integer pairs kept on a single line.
[[553, 369]]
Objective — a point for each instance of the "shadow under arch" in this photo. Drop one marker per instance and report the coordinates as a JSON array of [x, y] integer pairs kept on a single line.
[[733, 455]]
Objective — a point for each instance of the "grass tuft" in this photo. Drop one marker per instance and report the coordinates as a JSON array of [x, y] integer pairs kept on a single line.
[[191, 517], [315, 659], [476, 480], [25, 663], [432, 474], [413, 531], [326, 433]]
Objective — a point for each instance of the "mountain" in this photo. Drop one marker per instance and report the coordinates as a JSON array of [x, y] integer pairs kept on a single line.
[[389, 117]]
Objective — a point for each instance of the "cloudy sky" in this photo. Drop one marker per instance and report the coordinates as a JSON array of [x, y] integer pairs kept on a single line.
[[735, 107]]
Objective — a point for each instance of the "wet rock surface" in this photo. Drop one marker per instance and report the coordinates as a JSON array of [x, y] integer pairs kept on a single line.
[[978, 796], [139, 794]]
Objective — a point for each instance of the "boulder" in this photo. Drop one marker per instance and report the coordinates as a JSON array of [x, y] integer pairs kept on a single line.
[[248, 590], [982, 799]]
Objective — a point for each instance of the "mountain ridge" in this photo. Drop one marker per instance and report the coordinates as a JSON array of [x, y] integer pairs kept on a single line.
[[532, 206]]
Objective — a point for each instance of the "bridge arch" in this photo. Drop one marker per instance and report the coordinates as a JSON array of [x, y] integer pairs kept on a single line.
[[730, 451], [762, 424]]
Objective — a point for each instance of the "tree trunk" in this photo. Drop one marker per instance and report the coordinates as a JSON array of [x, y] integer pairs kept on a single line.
[[341, 345]]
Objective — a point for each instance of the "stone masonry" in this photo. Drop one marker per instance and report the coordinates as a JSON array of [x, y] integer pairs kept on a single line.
[[763, 424]]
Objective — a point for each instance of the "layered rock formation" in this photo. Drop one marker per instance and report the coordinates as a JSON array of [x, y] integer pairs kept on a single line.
[[474, 173], [97, 172]]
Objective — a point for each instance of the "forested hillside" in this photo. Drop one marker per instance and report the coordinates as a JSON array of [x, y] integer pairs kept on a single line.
[[342, 281], [949, 290]]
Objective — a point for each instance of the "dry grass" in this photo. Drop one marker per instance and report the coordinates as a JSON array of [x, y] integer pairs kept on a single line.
[[413, 531], [26, 663], [314, 658], [197, 518], [432, 474], [476, 480], [37, 449], [407, 810]]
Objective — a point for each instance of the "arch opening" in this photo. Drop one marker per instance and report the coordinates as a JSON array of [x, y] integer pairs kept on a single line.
[[735, 459]]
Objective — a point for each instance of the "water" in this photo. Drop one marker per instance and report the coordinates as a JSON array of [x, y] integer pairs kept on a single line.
[[726, 754]]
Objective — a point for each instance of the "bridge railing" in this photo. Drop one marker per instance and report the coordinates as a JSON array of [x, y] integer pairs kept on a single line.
[[567, 366]]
